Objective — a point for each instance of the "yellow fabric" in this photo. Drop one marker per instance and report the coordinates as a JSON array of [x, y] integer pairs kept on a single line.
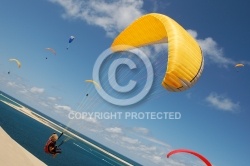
[[95, 83], [17, 62], [185, 60], [239, 65]]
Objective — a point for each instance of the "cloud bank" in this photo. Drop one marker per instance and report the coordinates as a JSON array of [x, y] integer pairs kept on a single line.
[[223, 103], [112, 15]]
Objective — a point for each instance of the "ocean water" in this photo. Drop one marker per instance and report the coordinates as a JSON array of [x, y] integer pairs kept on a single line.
[[32, 135]]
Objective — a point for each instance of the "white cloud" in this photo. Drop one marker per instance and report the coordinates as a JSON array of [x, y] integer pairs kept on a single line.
[[36, 90], [213, 52], [141, 130], [12, 84], [129, 140], [44, 104], [111, 15], [52, 98], [144, 133], [62, 108], [153, 140], [16, 85], [115, 130], [90, 120], [160, 47], [222, 103]]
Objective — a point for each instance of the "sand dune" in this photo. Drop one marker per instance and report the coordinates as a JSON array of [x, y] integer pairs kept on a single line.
[[12, 154]]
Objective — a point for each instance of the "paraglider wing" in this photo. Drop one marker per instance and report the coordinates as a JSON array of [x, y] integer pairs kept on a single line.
[[185, 60], [51, 50], [17, 62], [71, 38], [190, 152], [239, 65], [95, 83]]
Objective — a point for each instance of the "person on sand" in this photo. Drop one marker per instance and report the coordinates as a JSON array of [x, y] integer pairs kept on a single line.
[[51, 147]]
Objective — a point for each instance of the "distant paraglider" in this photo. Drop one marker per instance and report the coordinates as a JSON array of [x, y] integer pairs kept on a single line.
[[71, 38], [16, 61], [190, 152], [95, 83], [51, 50], [239, 65], [185, 60]]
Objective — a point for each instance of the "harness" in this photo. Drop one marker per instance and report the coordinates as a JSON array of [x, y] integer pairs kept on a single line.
[[46, 147]]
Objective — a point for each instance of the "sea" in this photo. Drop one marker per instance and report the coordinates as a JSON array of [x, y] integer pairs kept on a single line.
[[32, 135]]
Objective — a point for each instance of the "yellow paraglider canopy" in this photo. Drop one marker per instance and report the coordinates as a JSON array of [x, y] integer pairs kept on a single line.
[[185, 60], [239, 65], [95, 83], [17, 62]]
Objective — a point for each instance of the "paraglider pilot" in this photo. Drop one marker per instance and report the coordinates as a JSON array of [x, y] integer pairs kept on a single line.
[[51, 147]]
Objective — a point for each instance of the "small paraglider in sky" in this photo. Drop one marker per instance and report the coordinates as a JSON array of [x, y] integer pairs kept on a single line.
[[95, 83], [71, 38], [51, 50], [239, 65], [17, 62]]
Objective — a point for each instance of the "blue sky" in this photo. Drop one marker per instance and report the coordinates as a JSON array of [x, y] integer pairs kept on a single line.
[[214, 113]]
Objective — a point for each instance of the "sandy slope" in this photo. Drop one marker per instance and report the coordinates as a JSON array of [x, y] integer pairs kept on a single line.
[[12, 154]]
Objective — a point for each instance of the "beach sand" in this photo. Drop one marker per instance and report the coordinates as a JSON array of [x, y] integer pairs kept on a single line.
[[58, 128], [12, 154]]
